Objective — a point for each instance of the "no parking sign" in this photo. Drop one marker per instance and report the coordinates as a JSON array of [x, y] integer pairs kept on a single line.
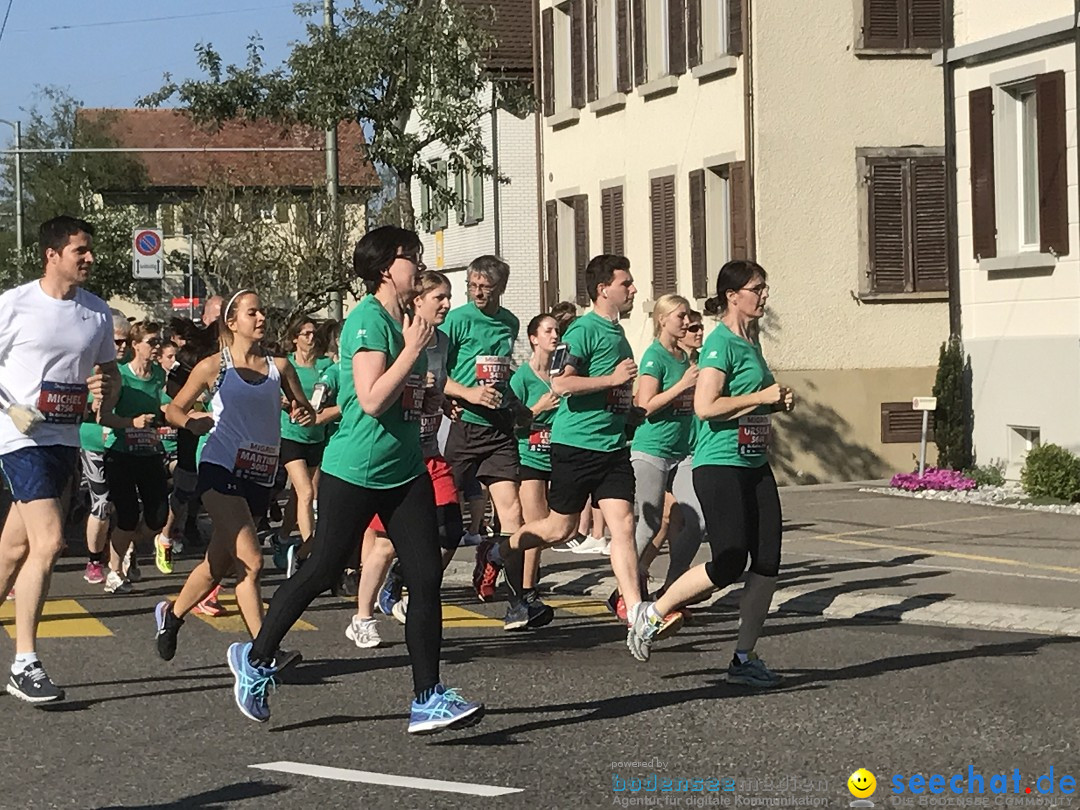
[[147, 254]]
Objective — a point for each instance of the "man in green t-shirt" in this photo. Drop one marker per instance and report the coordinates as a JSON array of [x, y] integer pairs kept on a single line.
[[590, 459], [482, 443]]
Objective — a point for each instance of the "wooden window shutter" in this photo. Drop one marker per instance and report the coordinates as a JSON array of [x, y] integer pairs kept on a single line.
[[901, 424], [884, 23], [581, 246], [662, 203], [735, 32], [577, 53], [929, 238], [889, 226], [623, 81], [693, 32], [551, 235], [459, 193], [699, 271], [1053, 174], [592, 83], [983, 203], [676, 10], [611, 219], [740, 225], [925, 23], [641, 67], [547, 35]]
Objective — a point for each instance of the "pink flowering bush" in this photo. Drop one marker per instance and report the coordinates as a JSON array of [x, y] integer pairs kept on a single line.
[[934, 478]]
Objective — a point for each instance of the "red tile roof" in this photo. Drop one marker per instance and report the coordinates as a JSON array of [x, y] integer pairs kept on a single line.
[[181, 170], [512, 28]]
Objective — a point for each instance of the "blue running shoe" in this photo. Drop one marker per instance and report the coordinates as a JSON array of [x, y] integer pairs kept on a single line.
[[444, 709], [281, 552], [390, 594], [252, 683]]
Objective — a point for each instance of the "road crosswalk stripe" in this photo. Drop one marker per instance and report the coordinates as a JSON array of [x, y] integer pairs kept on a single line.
[[61, 618], [454, 617]]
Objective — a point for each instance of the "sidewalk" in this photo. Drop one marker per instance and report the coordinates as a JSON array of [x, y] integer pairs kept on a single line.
[[851, 554]]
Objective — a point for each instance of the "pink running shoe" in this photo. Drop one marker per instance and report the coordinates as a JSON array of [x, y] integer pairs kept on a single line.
[[95, 573], [210, 606]]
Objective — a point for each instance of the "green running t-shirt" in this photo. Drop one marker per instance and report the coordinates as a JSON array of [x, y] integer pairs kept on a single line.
[[138, 396], [309, 375], [742, 442], [534, 446], [666, 433], [480, 352], [376, 452], [595, 421]]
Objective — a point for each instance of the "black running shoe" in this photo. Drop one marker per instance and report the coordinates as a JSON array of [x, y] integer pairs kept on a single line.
[[34, 686], [539, 614], [168, 626]]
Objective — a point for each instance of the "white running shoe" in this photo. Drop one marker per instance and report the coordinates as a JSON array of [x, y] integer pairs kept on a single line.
[[570, 545], [364, 632], [114, 583], [401, 609], [591, 545]]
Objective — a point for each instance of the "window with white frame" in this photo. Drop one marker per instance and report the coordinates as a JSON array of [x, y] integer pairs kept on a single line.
[[718, 215], [607, 55], [1017, 166], [562, 69], [469, 187], [1027, 163], [656, 36], [714, 29]]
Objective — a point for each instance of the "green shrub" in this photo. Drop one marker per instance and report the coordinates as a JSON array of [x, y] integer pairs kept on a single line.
[[1051, 472], [987, 475], [952, 421]]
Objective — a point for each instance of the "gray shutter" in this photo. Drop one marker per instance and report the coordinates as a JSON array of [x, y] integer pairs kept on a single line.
[[547, 36], [641, 67], [551, 236], [735, 32], [740, 211], [611, 220], [885, 24], [592, 82], [929, 236], [577, 53], [889, 226], [1053, 171], [698, 255], [693, 32], [983, 201], [581, 246], [676, 10], [925, 23], [623, 80], [662, 204]]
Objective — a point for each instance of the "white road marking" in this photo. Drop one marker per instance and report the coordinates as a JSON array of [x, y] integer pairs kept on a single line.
[[392, 780]]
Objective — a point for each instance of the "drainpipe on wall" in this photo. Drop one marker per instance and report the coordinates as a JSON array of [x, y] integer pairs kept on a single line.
[[545, 293], [1076, 81], [952, 220], [495, 194], [748, 135]]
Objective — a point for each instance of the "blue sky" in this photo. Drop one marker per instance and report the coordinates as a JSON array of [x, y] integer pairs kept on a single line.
[[114, 52]]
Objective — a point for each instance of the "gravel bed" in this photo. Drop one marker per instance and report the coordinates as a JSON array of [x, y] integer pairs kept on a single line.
[[1009, 496]]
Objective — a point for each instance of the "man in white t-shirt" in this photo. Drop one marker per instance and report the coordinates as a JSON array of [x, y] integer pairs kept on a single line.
[[56, 346]]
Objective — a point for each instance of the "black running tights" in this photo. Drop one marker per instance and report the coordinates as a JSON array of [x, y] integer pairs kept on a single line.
[[742, 519], [345, 510]]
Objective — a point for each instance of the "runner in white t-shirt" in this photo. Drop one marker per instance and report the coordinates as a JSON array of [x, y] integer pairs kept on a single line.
[[56, 346]]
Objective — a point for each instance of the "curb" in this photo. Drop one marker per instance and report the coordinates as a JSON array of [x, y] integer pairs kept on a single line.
[[833, 603]]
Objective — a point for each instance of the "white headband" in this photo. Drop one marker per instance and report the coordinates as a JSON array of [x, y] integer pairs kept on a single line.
[[243, 291]]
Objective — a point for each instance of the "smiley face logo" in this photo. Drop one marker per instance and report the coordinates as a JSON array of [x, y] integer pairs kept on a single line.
[[862, 784]]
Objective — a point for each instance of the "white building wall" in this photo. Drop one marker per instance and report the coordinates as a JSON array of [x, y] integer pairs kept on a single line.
[[975, 20], [1021, 328], [453, 248]]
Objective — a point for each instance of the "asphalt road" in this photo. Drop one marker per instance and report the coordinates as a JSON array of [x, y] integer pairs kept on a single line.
[[569, 712]]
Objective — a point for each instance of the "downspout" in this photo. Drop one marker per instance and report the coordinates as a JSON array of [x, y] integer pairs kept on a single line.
[[495, 192], [545, 296], [748, 124], [952, 220]]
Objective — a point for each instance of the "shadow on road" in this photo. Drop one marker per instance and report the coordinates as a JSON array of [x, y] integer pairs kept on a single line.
[[217, 798]]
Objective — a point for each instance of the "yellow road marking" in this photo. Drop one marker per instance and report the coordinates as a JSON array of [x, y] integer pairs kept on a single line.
[[61, 618], [454, 616], [233, 622], [846, 538], [581, 607]]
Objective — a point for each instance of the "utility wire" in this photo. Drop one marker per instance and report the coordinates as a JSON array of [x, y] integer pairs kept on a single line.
[[149, 19], [3, 26]]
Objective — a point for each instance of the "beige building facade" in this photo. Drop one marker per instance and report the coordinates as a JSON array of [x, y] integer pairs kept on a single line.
[[1013, 77], [686, 133]]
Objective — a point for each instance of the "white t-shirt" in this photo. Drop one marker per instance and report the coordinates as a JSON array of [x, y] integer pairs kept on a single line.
[[48, 347]]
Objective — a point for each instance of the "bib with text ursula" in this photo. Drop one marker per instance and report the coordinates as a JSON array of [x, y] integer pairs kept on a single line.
[[755, 431], [412, 399], [492, 369], [257, 463], [62, 403]]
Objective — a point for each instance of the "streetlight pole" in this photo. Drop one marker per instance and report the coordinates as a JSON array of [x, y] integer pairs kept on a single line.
[[336, 310], [17, 126]]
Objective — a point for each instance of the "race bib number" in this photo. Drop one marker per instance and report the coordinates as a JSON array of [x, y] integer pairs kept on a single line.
[[62, 403], [492, 369], [755, 431], [620, 399], [167, 433], [429, 426], [540, 439], [257, 463], [141, 439], [683, 404], [412, 399]]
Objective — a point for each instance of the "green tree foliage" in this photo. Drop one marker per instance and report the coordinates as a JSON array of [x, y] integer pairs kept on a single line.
[[64, 183], [952, 423], [1051, 471], [386, 60]]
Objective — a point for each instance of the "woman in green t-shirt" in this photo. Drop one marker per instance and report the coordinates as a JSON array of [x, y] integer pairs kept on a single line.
[[301, 449], [374, 466], [736, 396]]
